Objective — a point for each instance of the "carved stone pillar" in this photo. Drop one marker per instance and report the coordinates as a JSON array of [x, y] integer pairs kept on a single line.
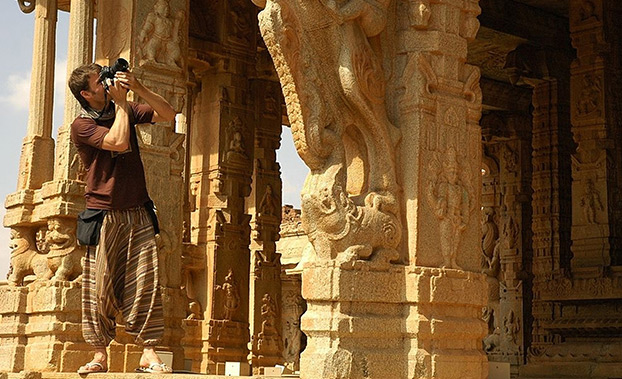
[[551, 200], [352, 128], [265, 206], [506, 238], [37, 157], [36, 163], [595, 108]]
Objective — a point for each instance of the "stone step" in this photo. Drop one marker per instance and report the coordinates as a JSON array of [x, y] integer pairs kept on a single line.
[[128, 375]]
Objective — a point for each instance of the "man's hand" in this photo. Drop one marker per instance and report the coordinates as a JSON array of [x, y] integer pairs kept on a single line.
[[129, 82], [117, 92]]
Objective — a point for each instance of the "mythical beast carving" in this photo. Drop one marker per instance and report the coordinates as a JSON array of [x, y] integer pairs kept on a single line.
[[329, 62]]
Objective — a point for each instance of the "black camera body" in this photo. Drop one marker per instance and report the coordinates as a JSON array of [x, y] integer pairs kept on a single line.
[[107, 72]]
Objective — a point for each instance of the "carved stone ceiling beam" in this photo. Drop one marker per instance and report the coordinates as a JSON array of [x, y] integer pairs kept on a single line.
[[536, 25]]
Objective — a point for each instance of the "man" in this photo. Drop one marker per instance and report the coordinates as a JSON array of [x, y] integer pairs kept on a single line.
[[121, 273]]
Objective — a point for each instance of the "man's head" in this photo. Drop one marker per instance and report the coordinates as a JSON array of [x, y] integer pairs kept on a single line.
[[84, 86]]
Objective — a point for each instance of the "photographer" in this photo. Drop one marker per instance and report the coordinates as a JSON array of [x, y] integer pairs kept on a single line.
[[121, 272]]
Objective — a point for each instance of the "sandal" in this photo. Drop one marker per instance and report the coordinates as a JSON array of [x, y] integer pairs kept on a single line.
[[155, 368], [92, 367]]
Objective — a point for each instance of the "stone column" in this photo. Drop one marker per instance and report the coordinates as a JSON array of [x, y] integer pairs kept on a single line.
[[36, 164], [551, 202], [439, 113], [266, 306], [595, 109], [383, 301], [506, 238], [37, 158]]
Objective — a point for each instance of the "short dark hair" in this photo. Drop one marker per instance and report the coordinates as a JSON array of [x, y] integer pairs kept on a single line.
[[79, 81]]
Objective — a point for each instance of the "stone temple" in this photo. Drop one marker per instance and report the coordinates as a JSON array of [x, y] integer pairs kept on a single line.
[[462, 216]]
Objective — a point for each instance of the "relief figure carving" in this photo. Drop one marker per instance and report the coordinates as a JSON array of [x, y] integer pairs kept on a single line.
[[590, 202], [589, 98], [64, 254], [452, 203], [25, 258], [160, 36], [231, 296], [340, 89]]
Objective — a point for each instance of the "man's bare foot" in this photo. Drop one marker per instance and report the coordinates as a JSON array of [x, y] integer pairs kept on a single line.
[[151, 362], [99, 363]]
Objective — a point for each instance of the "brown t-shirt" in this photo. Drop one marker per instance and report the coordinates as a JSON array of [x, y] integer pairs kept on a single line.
[[113, 180]]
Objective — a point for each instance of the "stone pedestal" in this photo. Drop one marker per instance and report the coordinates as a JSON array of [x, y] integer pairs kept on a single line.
[[53, 330], [354, 321], [444, 328], [12, 327]]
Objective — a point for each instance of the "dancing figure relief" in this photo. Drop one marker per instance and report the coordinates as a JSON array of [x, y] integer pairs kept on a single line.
[[339, 89], [160, 36], [452, 202], [590, 202], [231, 296]]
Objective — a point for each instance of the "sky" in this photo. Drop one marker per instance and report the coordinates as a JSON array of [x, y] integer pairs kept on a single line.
[[16, 33]]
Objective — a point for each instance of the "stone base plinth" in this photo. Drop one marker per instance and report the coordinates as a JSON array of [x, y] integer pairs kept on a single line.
[[227, 342], [12, 327], [444, 324], [354, 321]]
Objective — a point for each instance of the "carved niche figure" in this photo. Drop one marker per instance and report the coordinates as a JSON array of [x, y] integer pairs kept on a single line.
[[587, 11], [490, 232], [451, 202], [590, 202], [589, 98], [25, 258], [64, 255], [511, 327], [511, 159], [231, 296], [269, 338], [160, 36], [339, 225], [236, 142], [268, 205], [511, 231], [292, 334]]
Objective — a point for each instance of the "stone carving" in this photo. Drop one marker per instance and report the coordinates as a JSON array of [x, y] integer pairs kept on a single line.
[[292, 334], [511, 327], [240, 21], [589, 98], [231, 296], [78, 167], [511, 231], [41, 241], [160, 36], [25, 258], [452, 203], [590, 202], [587, 11], [338, 224], [490, 232], [269, 204], [195, 312], [64, 254], [236, 142], [511, 159], [268, 339]]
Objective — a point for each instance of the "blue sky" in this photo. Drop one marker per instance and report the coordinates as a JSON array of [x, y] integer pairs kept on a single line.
[[16, 31]]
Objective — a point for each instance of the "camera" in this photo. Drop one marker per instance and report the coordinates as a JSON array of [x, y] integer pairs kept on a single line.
[[107, 72]]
